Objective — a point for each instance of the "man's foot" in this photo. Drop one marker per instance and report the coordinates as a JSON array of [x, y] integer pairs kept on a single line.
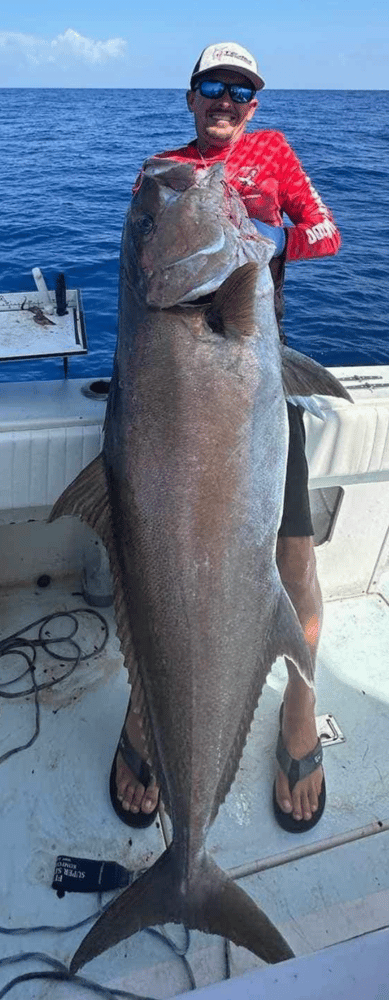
[[133, 792], [300, 738], [132, 795]]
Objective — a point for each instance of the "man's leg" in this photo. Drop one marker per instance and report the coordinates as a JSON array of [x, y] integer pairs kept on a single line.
[[297, 567]]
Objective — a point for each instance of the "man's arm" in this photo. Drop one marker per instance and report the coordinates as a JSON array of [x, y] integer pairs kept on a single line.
[[313, 233]]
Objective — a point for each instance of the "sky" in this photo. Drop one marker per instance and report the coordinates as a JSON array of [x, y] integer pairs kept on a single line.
[[299, 44]]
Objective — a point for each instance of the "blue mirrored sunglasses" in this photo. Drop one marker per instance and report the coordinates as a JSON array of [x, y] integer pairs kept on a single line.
[[213, 89]]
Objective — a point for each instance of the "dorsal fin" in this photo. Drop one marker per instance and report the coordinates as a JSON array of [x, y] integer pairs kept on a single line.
[[233, 308], [302, 376]]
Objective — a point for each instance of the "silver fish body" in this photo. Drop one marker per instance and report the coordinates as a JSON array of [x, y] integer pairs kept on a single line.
[[189, 505]]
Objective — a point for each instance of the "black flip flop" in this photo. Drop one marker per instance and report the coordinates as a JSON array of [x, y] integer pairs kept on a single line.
[[142, 773], [295, 770]]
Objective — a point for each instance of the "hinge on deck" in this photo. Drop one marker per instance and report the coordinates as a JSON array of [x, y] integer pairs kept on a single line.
[[328, 730]]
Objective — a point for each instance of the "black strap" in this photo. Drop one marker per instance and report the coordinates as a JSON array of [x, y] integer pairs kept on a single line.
[[295, 770], [133, 760]]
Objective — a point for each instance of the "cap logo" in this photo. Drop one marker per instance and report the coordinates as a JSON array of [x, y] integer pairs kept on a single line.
[[230, 54]]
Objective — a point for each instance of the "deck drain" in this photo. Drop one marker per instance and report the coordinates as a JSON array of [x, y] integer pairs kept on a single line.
[[98, 389]]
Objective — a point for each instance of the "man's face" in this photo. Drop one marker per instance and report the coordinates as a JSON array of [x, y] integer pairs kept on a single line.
[[220, 122]]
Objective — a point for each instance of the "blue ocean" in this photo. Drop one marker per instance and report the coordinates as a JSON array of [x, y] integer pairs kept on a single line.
[[67, 165]]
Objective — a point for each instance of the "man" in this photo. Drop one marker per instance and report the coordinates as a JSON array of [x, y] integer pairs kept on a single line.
[[270, 180]]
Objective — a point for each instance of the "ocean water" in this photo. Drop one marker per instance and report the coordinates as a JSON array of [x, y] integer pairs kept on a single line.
[[68, 161]]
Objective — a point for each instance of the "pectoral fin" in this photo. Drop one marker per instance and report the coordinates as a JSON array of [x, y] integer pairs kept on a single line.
[[87, 498], [232, 312]]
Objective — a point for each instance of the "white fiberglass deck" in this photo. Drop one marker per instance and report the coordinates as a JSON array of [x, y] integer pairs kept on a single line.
[[320, 889]]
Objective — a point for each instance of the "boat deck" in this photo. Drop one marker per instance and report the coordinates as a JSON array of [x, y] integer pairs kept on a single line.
[[327, 886]]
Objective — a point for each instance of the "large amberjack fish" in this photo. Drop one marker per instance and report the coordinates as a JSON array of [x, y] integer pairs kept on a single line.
[[187, 497]]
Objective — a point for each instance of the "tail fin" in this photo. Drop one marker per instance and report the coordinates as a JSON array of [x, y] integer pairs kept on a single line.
[[211, 902]]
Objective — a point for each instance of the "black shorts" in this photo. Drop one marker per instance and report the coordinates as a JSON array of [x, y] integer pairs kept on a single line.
[[296, 518]]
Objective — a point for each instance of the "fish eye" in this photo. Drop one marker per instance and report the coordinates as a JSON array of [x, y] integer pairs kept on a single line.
[[144, 225]]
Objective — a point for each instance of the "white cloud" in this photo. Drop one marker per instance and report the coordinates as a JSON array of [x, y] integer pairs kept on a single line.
[[61, 50]]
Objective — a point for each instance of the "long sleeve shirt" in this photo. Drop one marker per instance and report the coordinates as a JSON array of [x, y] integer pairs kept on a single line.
[[271, 181]]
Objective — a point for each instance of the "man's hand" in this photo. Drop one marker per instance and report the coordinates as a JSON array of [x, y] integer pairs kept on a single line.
[[275, 233]]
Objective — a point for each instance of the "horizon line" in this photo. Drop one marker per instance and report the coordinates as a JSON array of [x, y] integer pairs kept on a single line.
[[139, 87]]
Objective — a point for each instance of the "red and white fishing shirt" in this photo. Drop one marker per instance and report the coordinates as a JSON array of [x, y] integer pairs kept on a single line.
[[270, 180]]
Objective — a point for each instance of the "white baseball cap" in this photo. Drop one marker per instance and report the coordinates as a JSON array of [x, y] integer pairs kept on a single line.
[[228, 55]]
